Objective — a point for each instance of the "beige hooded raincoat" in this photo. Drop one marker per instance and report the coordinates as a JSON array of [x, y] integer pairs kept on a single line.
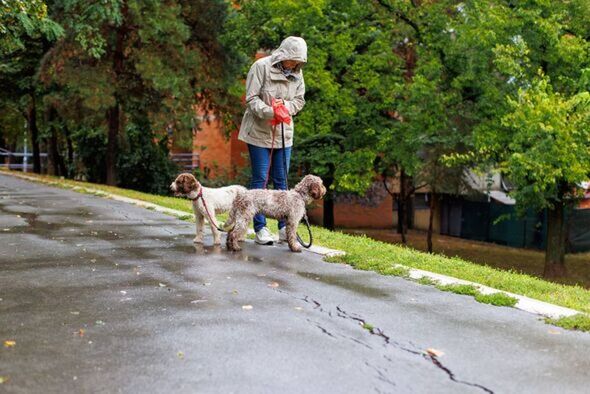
[[265, 82]]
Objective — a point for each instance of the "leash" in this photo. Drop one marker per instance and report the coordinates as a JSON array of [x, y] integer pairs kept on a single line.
[[211, 221], [272, 148], [305, 219]]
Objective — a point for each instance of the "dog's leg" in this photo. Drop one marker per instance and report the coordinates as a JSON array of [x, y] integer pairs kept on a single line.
[[291, 229], [232, 240], [240, 228], [216, 233], [199, 224]]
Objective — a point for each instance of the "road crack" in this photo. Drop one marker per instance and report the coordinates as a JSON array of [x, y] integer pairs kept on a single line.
[[388, 341]]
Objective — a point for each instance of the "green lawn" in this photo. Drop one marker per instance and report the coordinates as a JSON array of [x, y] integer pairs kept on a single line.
[[368, 254]]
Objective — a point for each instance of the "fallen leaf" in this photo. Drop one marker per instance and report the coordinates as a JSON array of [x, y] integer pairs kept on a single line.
[[197, 301], [274, 285], [80, 332], [100, 323], [123, 292], [162, 284], [4, 379], [554, 332], [234, 292], [434, 352], [247, 307], [9, 343], [74, 312], [298, 308], [180, 355]]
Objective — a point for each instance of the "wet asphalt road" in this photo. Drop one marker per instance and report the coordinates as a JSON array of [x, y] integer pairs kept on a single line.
[[100, 296]]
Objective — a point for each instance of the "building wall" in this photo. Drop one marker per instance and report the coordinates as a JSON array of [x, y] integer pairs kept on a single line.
[[219, 155], [381, 216]]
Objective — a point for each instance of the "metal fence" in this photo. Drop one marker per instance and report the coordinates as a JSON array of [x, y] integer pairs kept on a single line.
[[186, 161], [18, 160]]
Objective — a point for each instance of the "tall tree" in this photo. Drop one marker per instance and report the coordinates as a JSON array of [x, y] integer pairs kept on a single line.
[[26, 34], [130, 62], [539, 136]]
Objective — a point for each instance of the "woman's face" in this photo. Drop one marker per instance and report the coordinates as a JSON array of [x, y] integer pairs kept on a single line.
[[290, 64]]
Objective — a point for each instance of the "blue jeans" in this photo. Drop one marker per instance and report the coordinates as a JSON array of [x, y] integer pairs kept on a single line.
[[259, 161]]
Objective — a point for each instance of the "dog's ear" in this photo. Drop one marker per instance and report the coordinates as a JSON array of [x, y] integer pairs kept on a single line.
[[187, 183], [315, 191]]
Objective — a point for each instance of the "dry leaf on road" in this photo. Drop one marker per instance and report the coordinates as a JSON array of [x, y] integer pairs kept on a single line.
[[274, 285], [434, 352], [9, 343], [247, 307]]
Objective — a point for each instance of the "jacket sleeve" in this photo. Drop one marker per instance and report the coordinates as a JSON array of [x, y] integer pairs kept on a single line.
[[253, 88], [296, 104]]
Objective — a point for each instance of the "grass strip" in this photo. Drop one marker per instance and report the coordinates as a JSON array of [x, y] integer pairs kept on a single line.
[[579, 322]]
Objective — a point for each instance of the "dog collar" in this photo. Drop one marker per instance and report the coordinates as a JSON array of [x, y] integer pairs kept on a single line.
[[200, 195]]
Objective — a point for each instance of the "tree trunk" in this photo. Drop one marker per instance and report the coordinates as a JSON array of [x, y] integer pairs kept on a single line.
[[34, 131], [430, 221], [70, 153], [114, 113], [112, 144], [556, 242], [328, 219], [56, 165], [402, 212]]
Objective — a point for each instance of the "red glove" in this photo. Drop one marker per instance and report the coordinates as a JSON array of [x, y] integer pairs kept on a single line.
[[281, 113]]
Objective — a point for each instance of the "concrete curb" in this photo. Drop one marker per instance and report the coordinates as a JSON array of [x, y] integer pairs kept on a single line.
[[524, 303]]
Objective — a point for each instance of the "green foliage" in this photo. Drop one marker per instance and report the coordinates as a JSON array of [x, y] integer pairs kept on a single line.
[[548, 153], [144, 165], [91, 153], [497, 299], [539, 134], [459, 289], [20, 20], [152, 61], [580, 322]]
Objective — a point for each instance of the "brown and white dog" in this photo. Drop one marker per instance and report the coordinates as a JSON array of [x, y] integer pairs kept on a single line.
[[278, 204], [218, 200]]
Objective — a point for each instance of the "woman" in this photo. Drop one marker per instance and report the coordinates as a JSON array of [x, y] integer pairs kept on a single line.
[[277, 77]]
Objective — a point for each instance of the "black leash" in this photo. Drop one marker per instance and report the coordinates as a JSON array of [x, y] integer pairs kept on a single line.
[[305, 219]]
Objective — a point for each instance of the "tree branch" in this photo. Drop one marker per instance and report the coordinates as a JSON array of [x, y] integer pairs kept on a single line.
[[403, 17]]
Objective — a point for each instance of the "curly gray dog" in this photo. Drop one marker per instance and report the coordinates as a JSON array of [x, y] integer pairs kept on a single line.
[[278, 204]]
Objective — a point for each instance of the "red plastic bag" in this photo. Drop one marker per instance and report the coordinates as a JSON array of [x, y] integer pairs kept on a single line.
[[281, 113]]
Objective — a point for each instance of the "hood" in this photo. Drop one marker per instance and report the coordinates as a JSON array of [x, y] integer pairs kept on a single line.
[[292, 48]]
